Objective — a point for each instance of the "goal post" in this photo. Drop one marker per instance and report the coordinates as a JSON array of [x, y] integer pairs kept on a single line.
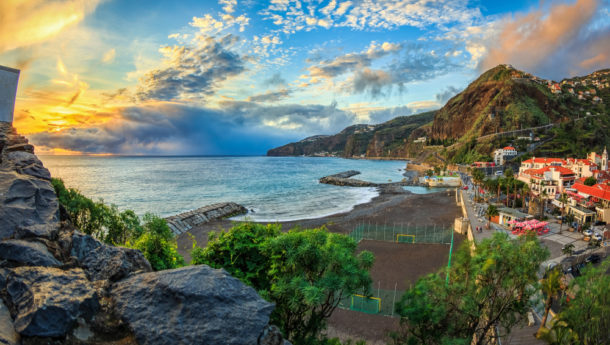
[[370, 305], [405, 238]]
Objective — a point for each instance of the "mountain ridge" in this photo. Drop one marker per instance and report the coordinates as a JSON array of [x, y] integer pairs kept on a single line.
[[501, 99]]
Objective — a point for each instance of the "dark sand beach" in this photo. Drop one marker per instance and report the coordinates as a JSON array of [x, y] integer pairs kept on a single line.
[[396, 264]]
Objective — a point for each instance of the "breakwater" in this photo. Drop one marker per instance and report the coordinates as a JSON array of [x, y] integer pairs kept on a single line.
[[344, 179], [184, 222]]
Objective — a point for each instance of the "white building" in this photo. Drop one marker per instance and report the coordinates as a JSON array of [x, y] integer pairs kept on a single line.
[[504, 154], [8, 91]]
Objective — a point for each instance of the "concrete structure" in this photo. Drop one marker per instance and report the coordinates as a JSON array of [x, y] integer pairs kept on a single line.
[[8, 91], [184, 222], [506, 215], [504, 154]]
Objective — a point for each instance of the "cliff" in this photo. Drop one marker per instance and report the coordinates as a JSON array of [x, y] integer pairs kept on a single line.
[[388, 139], [59, 286]]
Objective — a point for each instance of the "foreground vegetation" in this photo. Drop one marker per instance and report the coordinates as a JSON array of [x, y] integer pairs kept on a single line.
[[150, 235]]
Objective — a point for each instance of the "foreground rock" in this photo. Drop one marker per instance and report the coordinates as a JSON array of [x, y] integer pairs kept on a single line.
[[191, 305], [103, 262], [46, 302], [28, 204], [19, 252], [8, 336]]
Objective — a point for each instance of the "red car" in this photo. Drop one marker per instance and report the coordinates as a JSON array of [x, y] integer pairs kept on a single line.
[[465, 188]]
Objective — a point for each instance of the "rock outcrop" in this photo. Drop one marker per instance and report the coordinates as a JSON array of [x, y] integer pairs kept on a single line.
[[234, 313], [46, 302], [28, 204], [59, 286]]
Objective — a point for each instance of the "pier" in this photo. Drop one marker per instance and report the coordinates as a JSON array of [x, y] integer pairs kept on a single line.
[[184, 222]]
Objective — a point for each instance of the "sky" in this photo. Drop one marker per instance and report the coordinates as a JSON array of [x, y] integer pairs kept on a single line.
[[233, 77]]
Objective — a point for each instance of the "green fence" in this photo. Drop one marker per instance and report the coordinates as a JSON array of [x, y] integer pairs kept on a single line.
[[403, 233], [379, 302]]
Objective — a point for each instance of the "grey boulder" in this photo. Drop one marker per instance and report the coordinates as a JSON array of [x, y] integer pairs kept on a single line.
[[104, 262], [27, 202], [8, 336], [27, 163], [47, 301], [190, 305], [21, 252]]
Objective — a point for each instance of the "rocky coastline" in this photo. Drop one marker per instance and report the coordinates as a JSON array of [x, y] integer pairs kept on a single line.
[[60, 286]]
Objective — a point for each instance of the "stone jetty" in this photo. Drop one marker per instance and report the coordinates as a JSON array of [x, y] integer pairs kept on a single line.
[[344, 179], [186, 221]]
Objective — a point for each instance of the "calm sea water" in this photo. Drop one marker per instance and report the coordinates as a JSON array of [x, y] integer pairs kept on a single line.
[[276, 188]]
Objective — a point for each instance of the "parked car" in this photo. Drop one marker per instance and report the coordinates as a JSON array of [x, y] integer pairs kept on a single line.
[[587, 233], [598, 237], [593, 258], [465, 188]]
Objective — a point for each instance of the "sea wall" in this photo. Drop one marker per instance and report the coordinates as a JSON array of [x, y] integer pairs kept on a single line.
[[184, 222]]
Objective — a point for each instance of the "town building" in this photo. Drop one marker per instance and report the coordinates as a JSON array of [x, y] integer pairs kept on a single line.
[[549, 180], [504, 154]]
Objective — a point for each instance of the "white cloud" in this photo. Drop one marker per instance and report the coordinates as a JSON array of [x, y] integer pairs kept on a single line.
[[109, 56]]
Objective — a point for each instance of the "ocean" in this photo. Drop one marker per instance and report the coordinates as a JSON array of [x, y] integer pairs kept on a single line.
[[274, 188]]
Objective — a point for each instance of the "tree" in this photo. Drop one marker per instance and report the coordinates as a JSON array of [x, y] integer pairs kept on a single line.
[[508, 173], [437, 170], [550, 287], [568, 249], [525, 190], [590, 181], [490, 287], [491, 211], [240, 251], [157, 243], [305, 273], [563, 199], [585, 318], [477, 177]]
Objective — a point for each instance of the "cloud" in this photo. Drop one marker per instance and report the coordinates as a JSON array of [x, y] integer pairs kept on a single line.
[[109, 56], [291, 16], [275, 80], [192, 71], [383, 115], [554, 44], [208, 25], [446, 94], [169, 128], [412, 62], [327, 69], [27, 22], [270, 96]]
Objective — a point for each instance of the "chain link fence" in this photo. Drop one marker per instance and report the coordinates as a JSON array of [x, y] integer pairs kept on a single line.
[[403, 233]]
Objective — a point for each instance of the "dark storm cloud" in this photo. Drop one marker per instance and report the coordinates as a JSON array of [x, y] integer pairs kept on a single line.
[[192, 72], [236, 128]]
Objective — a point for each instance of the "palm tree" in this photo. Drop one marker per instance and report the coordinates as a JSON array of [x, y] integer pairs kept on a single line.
[[541, 197], [563, 199], [525, 189], [491, 211], [568, 249], [477, 177], [550, 286], [508, 182]]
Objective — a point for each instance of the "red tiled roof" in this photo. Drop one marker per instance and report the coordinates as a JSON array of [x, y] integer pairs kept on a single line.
[[600, 191], [581, 160], [509, 148], [545, 160], [539, 172]]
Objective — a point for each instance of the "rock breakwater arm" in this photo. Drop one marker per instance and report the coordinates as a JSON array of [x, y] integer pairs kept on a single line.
[[184, 222]]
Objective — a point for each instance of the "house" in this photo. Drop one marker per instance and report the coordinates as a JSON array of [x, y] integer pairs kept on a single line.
[[504, 154], [549, 180], [596, 99], [596, 196], [420, 140], [506, 215], [571, 90], [582, 167]]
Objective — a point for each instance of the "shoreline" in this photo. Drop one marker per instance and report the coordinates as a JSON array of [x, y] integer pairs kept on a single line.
[[391, 205]]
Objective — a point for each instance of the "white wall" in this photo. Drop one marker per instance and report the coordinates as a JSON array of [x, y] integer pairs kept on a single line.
[[8, 90]]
